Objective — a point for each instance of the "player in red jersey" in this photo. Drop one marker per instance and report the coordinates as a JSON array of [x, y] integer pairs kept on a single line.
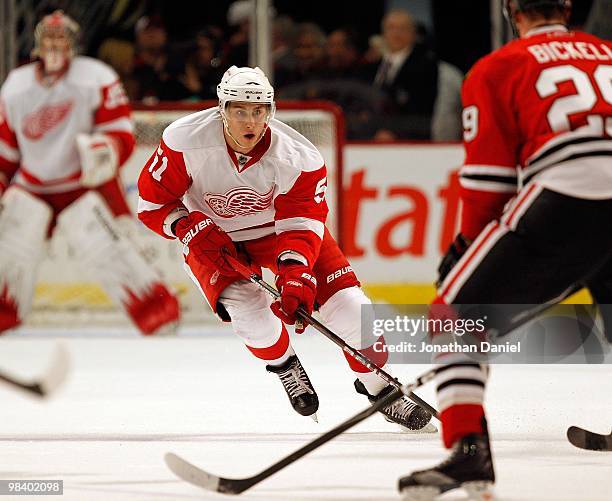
[[234, 179], [65, 129], [542, 103]]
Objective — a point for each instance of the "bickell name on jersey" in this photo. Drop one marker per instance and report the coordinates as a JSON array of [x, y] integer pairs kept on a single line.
[[564, 51], [565, 110]]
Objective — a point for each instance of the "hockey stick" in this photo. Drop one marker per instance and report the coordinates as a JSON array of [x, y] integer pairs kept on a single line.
[[46, 384], [196, 476], [247, 273], [589, 440]]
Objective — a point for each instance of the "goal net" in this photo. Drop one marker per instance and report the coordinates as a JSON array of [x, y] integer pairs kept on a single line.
[[67, 296]]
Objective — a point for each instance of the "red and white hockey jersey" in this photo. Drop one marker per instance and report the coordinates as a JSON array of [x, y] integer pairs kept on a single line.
[[543, 104], [39, 124], [278, 188]]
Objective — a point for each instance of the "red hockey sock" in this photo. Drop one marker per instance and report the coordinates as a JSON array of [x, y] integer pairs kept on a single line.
[[374, 353], [460, 420]]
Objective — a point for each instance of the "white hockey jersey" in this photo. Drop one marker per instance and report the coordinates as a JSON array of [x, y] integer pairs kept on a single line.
[[279, 187], [39, 124]]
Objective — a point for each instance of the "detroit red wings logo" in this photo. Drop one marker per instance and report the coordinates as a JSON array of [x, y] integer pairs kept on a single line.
[[41, 121], [239, 202]]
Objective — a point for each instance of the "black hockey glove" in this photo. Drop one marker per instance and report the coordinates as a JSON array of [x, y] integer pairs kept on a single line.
[[453, 254]]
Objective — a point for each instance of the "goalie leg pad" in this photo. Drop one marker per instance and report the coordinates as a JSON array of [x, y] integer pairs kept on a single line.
[[24, 221], [107, 253], [253, 321]]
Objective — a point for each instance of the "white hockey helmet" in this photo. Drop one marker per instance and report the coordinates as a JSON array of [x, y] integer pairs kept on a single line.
[[247, 85]]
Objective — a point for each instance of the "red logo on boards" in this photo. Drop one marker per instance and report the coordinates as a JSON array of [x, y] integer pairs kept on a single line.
[[239, 202], [41, 121]]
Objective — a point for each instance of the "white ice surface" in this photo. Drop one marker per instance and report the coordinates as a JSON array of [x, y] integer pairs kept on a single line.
[[129, 400]]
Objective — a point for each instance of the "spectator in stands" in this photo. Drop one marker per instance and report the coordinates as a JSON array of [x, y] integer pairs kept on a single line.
[[203, 69], [375, 50], [120, 55], [343, 81], [284, 31], [239, 20], [309, 53], [156, 70], [446, 122], [599, 21], [408, 74], [343, 55]]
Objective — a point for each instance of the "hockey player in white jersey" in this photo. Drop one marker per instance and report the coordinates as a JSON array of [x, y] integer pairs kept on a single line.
[[233, 179], [65, 129]]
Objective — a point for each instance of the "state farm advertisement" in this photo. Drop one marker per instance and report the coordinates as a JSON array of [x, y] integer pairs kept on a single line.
[[400, 209]]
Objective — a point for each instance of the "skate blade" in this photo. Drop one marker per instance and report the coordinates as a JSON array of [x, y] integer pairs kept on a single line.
[[420, 493], [479, 491], [428, 428], [476, 491]]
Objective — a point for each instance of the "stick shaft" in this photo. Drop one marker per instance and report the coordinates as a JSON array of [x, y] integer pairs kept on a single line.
[[247, 273]]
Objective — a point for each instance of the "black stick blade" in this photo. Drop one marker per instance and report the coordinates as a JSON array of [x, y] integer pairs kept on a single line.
[[46, 384], [584, 439], [190, 473], [196, 476]]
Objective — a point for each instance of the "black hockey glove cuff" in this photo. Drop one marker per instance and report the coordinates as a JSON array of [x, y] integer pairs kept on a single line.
[[453, 254]]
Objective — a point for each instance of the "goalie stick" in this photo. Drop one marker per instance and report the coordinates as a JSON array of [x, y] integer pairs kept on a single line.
[[201, 478], [589, 440], [247, 273], [54, 376]]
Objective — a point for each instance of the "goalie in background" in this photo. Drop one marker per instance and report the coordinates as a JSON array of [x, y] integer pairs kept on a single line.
[[65, 129], [233, 179]]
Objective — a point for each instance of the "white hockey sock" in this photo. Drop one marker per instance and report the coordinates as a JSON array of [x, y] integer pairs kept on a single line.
[[342, 314], [373, 382], [253, 321], [280, 361]]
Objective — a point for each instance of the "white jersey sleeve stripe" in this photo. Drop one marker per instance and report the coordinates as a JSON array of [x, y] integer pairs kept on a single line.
[[495, 170], [472, 184], [9, 153], [122, 124], [144, 205], [300, 224]]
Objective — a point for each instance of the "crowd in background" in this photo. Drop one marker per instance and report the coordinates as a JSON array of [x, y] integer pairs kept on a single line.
[[390, 85]]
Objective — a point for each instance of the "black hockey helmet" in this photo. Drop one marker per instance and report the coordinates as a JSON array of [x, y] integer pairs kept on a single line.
[[512, 6]]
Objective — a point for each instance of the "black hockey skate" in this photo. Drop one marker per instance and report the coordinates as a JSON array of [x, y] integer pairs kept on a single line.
[[469, 466], [299, 389], [403, 411]]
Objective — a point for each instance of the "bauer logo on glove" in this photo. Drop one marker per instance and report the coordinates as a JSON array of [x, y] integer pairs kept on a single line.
[[205, 243], [195, 230]]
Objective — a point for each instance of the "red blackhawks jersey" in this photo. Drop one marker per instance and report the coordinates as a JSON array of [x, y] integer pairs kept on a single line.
[[279, 187], [538, 109], [39, 124]]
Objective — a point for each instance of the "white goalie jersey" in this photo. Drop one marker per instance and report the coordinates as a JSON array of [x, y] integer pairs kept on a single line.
[[39, 124]]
